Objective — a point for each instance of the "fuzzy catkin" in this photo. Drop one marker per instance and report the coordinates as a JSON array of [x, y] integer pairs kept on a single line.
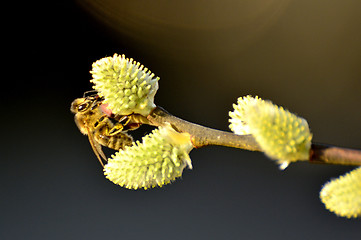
[[282, 135], [343, 195], [158, 160], [127, 86]]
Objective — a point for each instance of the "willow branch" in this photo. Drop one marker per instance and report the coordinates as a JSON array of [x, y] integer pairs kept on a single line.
[[323, 153], [204, 136]]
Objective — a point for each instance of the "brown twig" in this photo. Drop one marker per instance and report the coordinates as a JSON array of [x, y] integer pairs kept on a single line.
[[203, 136], [322, 153]]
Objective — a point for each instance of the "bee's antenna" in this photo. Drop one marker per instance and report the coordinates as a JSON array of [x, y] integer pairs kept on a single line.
[[90, 93]]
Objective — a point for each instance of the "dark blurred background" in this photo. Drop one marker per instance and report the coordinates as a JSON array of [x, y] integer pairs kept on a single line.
[[303, 55]]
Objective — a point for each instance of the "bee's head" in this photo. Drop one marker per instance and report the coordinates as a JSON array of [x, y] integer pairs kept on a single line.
[[80, 105]]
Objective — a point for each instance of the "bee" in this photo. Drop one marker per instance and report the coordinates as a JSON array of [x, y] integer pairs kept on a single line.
[[103, 128]]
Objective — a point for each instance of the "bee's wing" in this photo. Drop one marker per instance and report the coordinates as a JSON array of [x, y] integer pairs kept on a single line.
[[97, 148]]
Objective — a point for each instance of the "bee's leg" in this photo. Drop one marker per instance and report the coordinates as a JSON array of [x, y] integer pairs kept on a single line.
[[129, 122], [100, 121], [103, 125], [119, 126], [132, 126]]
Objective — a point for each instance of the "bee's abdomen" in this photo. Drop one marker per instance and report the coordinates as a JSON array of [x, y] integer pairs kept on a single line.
[[116, 142], [119, 141]]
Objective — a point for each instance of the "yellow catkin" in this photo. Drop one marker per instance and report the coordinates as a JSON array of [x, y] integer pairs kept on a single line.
[[158, 160], [282, 135], [126, 85], [342, 196]]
